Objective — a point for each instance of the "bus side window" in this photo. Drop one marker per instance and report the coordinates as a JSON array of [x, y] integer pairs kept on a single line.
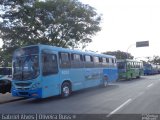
[[131, 64], [115, 60], [64, 58], [115, 63], [89, 61], [100, 62], [128, 65], [139, 65], [110, 62], [107, 60], [104, 62], [134, 65], [96, 61], [76, 61], [49, 63]]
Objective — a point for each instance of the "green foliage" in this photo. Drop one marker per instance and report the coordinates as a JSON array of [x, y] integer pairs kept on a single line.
[[65, 23], [120, 54], [5, 59], [155, 60]]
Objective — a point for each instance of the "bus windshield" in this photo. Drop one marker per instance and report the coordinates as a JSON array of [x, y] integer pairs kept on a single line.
[[121, 65], [25, 67], [147, 66]]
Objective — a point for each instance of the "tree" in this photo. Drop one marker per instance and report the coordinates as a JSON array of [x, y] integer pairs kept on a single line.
[[119, 54], [155, 60], [65, 23], [5, 59]]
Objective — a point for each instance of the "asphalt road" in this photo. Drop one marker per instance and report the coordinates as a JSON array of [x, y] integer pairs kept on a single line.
[[137, 96]]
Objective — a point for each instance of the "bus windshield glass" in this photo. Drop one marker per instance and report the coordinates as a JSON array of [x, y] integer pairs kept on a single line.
[[121, 65], [148, 66], [26, 64]]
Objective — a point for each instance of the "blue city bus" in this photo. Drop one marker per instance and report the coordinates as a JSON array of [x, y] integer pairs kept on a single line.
[[151, 69], [41, 71]]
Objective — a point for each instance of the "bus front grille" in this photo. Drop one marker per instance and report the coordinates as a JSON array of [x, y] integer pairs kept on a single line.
[[23, 84], [22, 88]]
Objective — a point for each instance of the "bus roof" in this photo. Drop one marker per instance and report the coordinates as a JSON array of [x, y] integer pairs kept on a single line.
[[127, 60], [69, 50]]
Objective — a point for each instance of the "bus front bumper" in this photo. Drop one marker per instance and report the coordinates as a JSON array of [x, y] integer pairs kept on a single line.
[[37, 93]]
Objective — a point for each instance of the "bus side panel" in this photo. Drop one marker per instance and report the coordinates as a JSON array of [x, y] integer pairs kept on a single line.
[[93, 77], [50, 85], [77, 78], [114, 74], [135, 73], [65, 75], [130, 73], [111, 73]]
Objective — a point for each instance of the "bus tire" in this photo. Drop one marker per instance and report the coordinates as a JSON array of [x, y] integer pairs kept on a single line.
[[65, 90], [105, 81], [3, 92]]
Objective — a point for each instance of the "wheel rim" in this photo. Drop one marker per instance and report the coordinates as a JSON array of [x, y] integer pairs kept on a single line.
[[105, 83], [66, 90]]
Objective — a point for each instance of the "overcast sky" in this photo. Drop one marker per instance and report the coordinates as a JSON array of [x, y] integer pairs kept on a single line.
[[124, 23]]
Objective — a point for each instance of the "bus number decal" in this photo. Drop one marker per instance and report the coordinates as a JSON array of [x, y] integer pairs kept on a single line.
[[65, 72]]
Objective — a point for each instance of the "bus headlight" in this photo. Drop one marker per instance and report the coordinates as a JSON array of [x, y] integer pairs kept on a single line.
[[13, 87], [35, 86]]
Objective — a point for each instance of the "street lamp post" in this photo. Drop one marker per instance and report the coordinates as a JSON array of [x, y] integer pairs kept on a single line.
[[128, 49]]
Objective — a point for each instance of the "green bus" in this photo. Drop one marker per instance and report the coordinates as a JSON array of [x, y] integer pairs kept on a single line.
[[128, 69]]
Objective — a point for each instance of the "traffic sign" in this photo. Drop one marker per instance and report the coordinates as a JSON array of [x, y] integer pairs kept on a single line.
[[142, 44]]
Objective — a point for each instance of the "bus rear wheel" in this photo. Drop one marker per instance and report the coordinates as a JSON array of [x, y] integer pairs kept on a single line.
[[65, 90]]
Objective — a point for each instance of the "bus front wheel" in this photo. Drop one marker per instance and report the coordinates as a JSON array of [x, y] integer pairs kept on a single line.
[[65, 90], [3, 90]]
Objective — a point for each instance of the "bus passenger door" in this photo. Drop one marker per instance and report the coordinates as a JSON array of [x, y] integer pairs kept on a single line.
[[50, 76]]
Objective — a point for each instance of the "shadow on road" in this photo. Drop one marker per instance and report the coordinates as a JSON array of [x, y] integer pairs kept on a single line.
[[131, 80], [95, 90], [76, 95], [12, 100]]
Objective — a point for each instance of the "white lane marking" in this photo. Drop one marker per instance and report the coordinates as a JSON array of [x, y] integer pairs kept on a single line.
[[118, 108], [150, 85]]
